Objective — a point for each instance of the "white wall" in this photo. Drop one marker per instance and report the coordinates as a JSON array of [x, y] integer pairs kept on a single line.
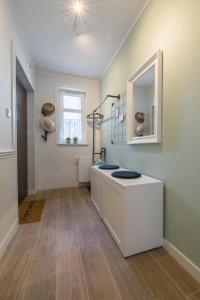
[[9, 31], [56, 164], [173, 27]]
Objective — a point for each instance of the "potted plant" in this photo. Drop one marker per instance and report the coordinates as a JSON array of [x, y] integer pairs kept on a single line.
[[68, 140], [75, 139]]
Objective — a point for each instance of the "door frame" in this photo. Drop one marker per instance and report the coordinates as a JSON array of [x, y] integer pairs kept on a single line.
[[18, 71], [22, 141]]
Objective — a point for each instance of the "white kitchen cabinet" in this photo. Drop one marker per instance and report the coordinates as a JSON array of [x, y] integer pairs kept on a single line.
[[96, 190], [132, 210], [113, 210]]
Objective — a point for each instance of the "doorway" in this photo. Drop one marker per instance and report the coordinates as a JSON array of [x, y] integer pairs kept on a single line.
[[22, 147]]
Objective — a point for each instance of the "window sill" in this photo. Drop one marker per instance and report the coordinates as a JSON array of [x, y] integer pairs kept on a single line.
[[73, 145]]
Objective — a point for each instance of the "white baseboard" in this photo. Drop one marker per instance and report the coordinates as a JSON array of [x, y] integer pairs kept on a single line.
[[96, 207], [50, 188], [32, 192], [4, 243], [187, 264], [81, 184]]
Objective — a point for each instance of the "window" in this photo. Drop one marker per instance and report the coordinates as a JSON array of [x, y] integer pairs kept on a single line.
[[72, 116]]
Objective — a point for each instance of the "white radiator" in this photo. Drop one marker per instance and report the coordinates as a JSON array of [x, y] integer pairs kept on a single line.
[[84, 164]]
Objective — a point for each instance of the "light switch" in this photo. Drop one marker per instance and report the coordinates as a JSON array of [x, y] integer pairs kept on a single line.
[[8, 113]]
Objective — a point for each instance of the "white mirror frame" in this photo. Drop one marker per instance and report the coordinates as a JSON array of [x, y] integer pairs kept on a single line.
[[156, 61]]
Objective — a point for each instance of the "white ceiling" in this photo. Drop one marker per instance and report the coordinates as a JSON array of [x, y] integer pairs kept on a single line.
[[48, 26]]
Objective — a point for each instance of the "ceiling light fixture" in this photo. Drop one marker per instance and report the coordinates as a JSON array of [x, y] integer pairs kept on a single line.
[[78, 9]]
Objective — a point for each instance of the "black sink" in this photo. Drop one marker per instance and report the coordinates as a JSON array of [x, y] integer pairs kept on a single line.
[[126, 175], [109, 167]]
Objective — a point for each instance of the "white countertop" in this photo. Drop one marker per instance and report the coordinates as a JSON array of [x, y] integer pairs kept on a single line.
[[126, 182]]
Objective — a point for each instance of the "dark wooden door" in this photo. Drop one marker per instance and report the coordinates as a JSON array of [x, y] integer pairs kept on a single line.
[[22, 142]]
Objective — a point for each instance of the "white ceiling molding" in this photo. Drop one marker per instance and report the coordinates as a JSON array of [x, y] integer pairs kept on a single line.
[[38, 70]]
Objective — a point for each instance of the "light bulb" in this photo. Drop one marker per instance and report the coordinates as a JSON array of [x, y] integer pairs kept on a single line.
[[78, 7]]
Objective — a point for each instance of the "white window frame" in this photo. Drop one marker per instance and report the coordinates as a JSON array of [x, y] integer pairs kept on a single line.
[[61, 110]]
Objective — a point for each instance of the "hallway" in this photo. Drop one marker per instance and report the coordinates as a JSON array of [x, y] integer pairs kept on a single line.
[[70, 255]]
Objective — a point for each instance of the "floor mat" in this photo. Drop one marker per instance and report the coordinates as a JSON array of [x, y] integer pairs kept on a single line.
[[31, 211]]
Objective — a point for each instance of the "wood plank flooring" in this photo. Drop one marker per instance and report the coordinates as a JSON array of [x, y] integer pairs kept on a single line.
[[71, 255]]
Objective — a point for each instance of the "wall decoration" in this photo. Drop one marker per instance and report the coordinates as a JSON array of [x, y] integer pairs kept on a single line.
[[118, 124], [47, 123], [48, 109], [139, 127], [121, 117]]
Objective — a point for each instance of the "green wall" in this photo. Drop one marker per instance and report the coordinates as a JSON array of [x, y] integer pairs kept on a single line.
[[174, 27]]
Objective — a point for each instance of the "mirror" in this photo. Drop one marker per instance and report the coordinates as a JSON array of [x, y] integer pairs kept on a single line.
[[144, 93], [144, 102]]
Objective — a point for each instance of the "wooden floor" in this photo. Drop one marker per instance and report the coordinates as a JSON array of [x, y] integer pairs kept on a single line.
[[70, 255]]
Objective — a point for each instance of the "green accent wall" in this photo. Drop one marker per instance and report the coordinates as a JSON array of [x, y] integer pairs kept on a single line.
[[174, 27]]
